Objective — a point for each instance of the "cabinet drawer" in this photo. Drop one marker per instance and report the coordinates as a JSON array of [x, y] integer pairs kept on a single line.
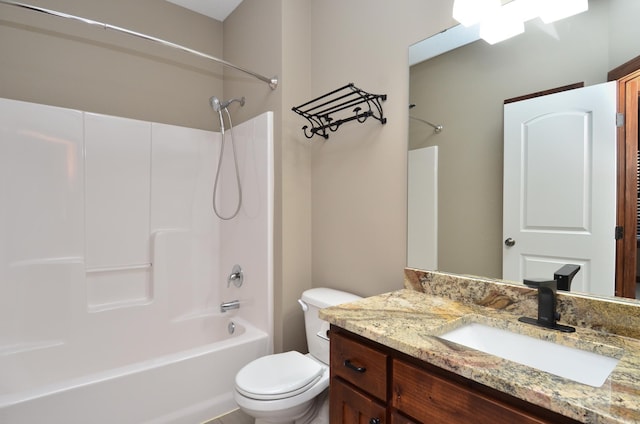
[[362, 366], [429, 398]]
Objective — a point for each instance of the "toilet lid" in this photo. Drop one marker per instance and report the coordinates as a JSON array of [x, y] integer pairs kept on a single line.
[[278, 376]]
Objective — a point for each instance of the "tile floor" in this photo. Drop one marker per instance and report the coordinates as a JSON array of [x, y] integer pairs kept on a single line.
[[235, 417]]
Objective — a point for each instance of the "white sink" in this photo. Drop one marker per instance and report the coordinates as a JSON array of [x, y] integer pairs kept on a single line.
[[575, 364]]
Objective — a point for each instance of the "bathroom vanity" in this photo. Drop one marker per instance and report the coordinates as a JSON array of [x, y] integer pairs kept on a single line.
[[369, 381], [391, 364]]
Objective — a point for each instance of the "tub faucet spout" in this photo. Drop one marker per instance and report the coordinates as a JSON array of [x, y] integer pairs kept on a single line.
[[225, 306]]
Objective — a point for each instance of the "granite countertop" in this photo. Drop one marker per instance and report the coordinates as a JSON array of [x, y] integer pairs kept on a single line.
[[409, 320]]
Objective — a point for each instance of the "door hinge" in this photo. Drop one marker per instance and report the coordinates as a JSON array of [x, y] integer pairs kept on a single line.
[[619, 119], [619, 232]]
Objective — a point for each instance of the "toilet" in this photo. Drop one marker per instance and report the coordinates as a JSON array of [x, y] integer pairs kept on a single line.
[[289, 387]]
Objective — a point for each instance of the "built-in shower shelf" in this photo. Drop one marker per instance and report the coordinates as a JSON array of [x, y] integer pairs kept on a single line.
[[329, 111]]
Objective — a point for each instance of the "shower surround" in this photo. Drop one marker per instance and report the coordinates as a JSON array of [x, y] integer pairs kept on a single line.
[[113, 266]]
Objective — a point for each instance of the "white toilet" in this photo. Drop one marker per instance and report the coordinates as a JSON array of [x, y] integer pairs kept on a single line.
[[291, 387]]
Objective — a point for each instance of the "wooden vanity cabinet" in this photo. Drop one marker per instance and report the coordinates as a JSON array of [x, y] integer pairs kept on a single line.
[[373, 384]]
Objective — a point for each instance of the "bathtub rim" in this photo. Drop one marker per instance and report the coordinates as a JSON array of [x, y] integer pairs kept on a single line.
[[250, 334]]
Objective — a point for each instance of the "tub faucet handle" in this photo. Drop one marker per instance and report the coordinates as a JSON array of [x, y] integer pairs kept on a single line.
[[236, 277]]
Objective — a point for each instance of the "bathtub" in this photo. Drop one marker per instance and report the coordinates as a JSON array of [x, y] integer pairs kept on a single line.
[[183, 387]]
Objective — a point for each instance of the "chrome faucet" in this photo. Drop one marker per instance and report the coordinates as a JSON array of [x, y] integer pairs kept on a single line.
[[225, 306]]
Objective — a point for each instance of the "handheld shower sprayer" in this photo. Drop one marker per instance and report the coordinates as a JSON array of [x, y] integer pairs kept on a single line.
[[219, 106], [215, 103]]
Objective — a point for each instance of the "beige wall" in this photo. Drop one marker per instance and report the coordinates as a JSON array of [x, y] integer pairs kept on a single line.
[[359, 173], [56, 61], [296, 174]]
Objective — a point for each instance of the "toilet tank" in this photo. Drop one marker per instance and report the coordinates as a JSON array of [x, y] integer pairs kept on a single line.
[[312, 301]]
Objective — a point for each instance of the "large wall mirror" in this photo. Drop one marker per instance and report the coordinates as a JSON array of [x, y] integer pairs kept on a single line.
[[464, 89]]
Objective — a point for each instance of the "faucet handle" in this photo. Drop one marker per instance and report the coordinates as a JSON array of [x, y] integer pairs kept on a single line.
[[565, 275], [540, 283], [236, 277]]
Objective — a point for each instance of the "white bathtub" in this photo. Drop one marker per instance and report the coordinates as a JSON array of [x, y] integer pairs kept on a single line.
[[189, 386]]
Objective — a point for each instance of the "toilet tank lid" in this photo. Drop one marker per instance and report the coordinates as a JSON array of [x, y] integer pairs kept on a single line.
[[324, 297]]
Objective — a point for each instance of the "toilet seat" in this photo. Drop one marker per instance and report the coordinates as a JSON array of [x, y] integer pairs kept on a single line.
[[278, 376]]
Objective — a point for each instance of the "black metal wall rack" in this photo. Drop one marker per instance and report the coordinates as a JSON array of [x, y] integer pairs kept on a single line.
[[333, 109]]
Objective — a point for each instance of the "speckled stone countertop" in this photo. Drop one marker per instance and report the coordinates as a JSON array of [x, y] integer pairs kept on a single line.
[[409, 320]]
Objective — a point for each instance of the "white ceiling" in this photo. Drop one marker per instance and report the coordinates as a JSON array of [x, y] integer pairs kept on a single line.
[[216, 9]]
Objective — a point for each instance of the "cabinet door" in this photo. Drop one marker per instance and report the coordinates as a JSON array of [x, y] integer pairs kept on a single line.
[[434, 400], [399, 419], [350, 406]]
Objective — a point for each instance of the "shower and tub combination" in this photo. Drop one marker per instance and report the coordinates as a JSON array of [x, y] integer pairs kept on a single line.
[[114, 268]]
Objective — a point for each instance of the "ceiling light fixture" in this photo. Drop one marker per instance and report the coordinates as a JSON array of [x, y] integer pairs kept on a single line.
[[501, 25], [498, 23], [471, 12]]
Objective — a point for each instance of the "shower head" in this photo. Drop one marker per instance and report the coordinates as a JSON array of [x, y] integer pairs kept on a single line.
[[217, 105]]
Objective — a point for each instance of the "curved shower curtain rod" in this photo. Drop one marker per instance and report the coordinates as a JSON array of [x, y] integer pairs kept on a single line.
[[273, 82], [438, 128]]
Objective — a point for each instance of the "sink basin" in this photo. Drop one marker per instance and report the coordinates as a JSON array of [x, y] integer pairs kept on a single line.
[[572, 363]]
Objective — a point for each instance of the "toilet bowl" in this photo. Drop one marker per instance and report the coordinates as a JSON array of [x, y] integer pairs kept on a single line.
[[291, 397], [291, 387]]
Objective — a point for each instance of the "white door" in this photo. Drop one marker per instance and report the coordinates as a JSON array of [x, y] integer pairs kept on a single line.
[[559, 204]]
